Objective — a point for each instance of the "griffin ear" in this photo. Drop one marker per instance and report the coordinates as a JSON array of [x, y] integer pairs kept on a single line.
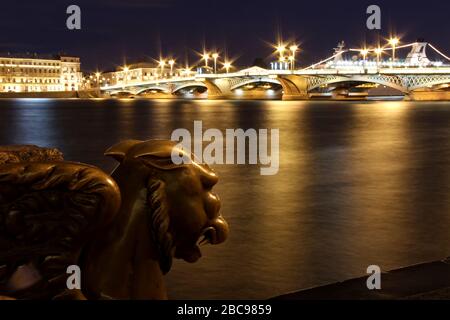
[[119, 150]]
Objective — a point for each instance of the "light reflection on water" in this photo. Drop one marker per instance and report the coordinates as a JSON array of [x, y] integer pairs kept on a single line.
[[360, 183]]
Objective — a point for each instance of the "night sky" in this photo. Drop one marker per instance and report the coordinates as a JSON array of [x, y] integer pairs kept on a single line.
[[116, 31]]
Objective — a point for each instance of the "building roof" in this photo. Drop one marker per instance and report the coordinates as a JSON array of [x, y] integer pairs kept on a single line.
[[33, 55]]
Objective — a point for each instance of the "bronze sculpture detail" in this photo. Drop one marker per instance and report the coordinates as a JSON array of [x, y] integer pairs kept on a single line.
[[122, 230]]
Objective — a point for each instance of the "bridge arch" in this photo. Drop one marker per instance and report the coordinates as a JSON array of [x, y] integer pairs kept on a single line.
[[245, 82], [422, 82], [192, 84], [393, 82], [155, 88], [123, 91]]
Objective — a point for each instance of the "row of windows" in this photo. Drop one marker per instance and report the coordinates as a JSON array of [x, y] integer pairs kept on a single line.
[[64, 70], [69, 70], [24, 80], [76, 60], [29, 88], [6, 70], [30, 63]]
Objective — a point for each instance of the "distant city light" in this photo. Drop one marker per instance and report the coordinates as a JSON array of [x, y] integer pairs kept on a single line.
[[281, 49], [206, 58], [215, 57], [364, 53], [239, 92], [227, 66], [394, 42]]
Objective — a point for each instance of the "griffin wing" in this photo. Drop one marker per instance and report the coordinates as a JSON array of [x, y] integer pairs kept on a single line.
[[49, 211]]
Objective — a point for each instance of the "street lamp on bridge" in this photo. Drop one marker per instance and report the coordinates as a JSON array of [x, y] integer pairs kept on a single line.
[[162, 64], [215, 57], [227, 66], [378, 52], [294, 49], [280, 49], [171, 64], [206, 58], [291, 62], [364, 53], [393, 42]]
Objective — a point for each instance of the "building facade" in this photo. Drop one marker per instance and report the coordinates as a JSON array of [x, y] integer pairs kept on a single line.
[[37, 74], [138, 73]]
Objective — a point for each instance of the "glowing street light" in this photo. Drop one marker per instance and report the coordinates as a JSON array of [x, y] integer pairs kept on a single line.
[[364, 53], [206, 58], [186, 70], [281, 49], [393, 42], [291, 62], [294, 49], [227, 66], [215, 57], [162, 64], [378, 52], [171, 64]]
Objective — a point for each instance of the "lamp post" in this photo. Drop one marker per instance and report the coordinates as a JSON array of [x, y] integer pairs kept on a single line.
[[283, 63], [393, 42], [206, 58], [215, 57], [280, 49], [171, 64], [291, 62], [293, 49], [364, 53], [162, 64], [378, 52], [227, 66]]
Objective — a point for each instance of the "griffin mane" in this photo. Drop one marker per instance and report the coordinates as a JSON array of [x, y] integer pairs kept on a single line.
[[159, 223]]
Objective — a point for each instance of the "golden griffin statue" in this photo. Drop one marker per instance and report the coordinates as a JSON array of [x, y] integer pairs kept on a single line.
[[122, 230]]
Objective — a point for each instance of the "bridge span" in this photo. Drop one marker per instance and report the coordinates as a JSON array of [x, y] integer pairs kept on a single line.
[[332, 78]]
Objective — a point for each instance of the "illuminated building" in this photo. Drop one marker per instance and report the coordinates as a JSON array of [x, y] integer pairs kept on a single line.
[[31, 73]]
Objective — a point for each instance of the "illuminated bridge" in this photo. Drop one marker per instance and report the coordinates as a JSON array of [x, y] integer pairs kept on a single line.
[[337, 77]]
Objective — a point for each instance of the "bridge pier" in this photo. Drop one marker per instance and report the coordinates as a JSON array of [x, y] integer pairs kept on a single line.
[[294, 87], [428, 95], [218, 89]]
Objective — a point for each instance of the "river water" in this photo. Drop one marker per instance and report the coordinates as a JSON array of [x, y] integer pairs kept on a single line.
[[360, 183]]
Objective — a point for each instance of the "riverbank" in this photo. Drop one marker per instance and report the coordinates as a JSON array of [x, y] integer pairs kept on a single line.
[[427, 281], [52, 95]]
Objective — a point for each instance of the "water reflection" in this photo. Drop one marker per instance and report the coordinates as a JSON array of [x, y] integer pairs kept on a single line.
[[359, 183]]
